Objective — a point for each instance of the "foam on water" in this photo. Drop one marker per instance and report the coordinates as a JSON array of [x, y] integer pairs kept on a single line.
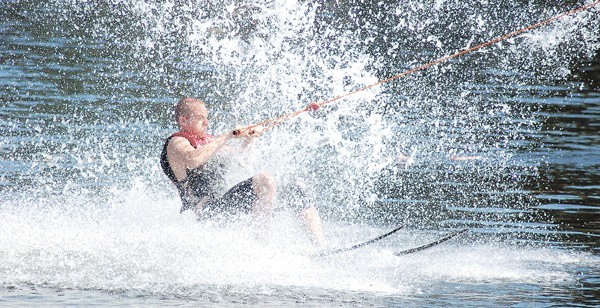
[[141, 244]]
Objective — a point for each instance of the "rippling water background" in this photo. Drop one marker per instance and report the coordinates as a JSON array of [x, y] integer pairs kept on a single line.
[[87, 90]]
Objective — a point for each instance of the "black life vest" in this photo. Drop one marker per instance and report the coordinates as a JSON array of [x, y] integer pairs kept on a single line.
[[195, 141], [202, 181]]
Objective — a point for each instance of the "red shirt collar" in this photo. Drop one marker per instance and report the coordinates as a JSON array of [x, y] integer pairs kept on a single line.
[[194, 140]]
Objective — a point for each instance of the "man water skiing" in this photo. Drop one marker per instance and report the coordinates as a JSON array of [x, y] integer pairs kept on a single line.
[[195, 162]]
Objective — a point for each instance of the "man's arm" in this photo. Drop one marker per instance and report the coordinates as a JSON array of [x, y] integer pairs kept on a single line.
[[182, 155]]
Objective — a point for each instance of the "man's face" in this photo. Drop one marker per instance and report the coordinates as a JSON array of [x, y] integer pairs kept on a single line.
[[196, 120]]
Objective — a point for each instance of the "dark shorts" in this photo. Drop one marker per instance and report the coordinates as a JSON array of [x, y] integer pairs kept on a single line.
[[237, 200]]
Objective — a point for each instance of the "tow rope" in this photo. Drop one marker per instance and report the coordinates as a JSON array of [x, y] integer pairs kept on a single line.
[[270, 123]]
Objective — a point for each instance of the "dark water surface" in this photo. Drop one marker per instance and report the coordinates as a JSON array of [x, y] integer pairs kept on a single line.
[[86, 92]]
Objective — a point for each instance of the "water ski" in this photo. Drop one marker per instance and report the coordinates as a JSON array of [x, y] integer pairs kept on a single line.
[[371, 241], [431, 244]]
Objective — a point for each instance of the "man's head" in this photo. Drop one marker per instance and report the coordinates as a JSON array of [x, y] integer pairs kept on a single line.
[[192, 116]]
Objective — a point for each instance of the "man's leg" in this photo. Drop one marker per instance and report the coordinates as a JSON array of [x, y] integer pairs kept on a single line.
[[312, 223], [264, 188], [308, 215]]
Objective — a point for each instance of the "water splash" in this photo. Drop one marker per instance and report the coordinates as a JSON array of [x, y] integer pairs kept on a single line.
[[131, 247], [259, 60]]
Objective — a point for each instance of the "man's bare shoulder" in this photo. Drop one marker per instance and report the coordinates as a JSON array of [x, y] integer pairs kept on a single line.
[[177, 140], [179, 144]]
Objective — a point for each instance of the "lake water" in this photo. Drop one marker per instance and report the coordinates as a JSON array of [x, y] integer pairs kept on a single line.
[[503, 141]]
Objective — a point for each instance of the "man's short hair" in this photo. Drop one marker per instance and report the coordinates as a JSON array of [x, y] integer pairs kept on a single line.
[[183, 106]]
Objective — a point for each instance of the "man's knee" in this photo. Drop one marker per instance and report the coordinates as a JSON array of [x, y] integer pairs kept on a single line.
[[264, 183]]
